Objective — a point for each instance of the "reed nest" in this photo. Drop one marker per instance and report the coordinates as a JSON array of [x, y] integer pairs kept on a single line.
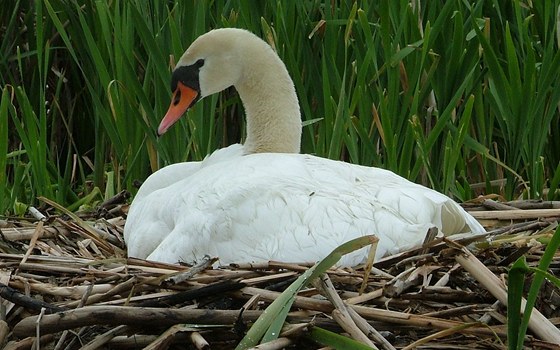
[[66, 283]]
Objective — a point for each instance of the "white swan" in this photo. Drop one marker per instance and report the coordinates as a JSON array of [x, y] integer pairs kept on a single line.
[[262, 200]]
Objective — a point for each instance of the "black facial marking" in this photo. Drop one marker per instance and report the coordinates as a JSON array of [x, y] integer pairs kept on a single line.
[[188, 75]]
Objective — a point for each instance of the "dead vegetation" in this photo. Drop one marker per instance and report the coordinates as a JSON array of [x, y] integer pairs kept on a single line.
[[66, 283]]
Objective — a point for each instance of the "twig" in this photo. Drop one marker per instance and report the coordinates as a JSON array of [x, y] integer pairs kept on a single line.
[[205, 263]]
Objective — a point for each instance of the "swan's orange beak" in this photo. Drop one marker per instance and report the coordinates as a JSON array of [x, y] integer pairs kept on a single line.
[[183, 98]]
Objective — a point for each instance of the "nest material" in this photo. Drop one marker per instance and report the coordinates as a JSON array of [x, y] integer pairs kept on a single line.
[[66, 284]]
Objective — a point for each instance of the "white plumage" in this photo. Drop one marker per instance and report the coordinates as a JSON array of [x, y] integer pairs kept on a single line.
[[261, 200]]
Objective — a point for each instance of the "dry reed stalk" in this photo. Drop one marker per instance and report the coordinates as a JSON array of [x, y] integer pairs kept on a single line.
[[115, 290], [126, 315], [199, 342], [454, 312], [369, 330], [539, 324], [134, 341], [269, 278], [104, 338], [26, 233], [293, 330], [347, 323], [81, 303], [365, 297], [4, 330], [204, 264], [440, 334], [74, 292], [163, 341], [36, 235], [340, 313], [276, 344], [28, 343], [137, 298], [516, 214], [252, 303], [493, 205]]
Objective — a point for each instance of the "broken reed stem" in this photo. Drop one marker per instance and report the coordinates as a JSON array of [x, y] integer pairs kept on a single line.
[[538, 324], [340, 313], [204, 264], [199, 342]]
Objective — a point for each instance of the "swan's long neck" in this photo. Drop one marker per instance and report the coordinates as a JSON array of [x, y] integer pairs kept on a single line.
[[271, 105]]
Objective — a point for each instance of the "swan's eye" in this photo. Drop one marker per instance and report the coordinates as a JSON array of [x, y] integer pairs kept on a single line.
[[199, 63]]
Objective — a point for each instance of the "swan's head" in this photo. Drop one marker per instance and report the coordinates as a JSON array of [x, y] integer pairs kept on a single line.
[[212, 63]]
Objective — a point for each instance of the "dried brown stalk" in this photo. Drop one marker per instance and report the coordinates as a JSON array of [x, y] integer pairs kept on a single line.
[[516, 214], [340, 313], [125, 315]]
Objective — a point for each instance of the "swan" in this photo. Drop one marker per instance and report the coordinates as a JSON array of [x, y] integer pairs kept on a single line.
[[262, 200]]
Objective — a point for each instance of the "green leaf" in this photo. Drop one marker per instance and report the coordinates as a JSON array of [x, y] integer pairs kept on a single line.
[[516, 281], [538, 279], [334, 340]]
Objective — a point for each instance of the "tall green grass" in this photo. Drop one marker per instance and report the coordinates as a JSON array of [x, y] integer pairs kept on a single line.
[[445, 93]]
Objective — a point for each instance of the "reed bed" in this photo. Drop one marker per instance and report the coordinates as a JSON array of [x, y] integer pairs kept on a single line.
[[66, 283], [444, 93]]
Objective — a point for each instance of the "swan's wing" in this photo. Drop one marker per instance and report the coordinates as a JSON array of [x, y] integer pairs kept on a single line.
[[296, 208], [149, 219]]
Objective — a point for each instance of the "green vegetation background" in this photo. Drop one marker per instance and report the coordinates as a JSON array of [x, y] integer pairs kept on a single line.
[[449, 94]]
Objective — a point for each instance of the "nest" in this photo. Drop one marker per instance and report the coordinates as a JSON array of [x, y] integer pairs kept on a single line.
[[66, 283]]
